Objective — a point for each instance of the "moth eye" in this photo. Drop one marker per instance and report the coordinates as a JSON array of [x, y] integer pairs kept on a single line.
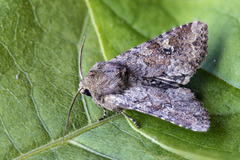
[[86, 92]]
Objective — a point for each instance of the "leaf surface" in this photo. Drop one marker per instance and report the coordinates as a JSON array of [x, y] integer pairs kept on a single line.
[[39, 76]]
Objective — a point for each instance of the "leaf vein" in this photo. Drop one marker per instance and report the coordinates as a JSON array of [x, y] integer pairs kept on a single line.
[[124, 131], [9, 137], [97, 30], [90, 150], [36, 108], [129, 25], [35, 15]]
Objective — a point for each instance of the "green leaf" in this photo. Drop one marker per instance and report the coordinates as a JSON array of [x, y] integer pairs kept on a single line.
[[39, 76], [38, 79]]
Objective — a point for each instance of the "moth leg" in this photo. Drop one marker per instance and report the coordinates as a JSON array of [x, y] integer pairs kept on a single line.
[[104, 114], [134, 122]]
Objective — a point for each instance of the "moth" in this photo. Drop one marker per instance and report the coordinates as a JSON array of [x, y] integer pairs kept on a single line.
[[149, 78]]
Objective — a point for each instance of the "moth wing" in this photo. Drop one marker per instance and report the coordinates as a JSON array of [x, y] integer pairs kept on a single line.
[[176, 105], [173, 56]]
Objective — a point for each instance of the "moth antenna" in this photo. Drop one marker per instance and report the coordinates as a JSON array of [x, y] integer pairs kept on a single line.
[[80, 58], [70, 109], [79, 89]]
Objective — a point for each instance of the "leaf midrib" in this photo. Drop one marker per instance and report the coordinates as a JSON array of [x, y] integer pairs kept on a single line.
[[68, 137]]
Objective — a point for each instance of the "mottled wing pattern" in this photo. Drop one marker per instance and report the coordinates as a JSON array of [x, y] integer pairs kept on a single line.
[[176, 105], [173, 56]]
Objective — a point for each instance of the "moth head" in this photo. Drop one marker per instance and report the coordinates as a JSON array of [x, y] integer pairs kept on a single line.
[[104, 78], [88, 83]]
